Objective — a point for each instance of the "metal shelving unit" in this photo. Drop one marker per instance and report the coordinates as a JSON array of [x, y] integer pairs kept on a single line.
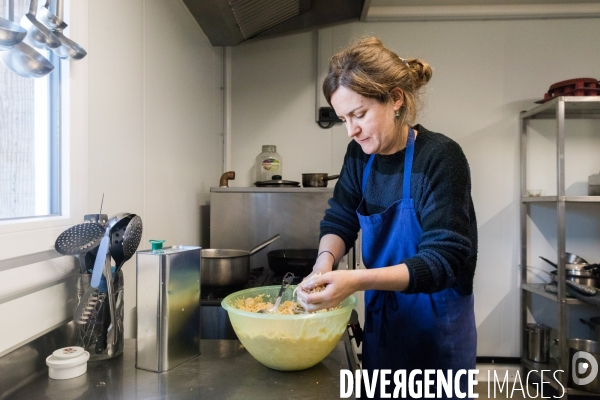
[[560, 108]]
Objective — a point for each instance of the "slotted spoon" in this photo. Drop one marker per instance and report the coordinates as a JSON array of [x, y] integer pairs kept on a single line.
[[78, 240]]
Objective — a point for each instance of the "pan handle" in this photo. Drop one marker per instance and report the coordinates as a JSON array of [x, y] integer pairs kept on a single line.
[[586, 322], [549, 262], [264, 244], [331, 177]]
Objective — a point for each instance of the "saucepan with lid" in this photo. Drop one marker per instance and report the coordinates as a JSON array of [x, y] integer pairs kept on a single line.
[[317, 179], [277, 181]]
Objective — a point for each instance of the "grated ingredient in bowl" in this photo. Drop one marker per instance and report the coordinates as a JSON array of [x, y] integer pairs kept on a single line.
[[288, 307]]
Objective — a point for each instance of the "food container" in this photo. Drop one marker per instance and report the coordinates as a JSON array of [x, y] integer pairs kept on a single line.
[[584, 358], [168, 306], [287, 342], [537, 338], [67, 363]]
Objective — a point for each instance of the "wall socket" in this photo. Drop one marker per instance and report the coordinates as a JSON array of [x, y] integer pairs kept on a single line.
[[327, 114]]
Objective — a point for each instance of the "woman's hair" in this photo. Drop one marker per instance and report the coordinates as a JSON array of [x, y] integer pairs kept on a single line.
[[373, 71]]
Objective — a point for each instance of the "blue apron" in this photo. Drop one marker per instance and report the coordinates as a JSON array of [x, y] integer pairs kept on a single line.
[[410, 331]]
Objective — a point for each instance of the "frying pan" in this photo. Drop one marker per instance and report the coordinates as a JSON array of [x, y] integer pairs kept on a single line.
[[298, 261], [576, 265]]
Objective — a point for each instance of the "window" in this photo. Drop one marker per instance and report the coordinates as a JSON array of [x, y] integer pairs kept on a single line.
[[30, 182]]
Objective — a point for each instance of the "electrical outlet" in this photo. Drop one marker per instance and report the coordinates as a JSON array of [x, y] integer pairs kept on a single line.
[[327, 114]]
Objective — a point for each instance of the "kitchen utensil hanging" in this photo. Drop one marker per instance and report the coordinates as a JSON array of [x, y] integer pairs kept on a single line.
[[21, 58], [40, 29], [38, 34], [10, 33], [68, 48], [49, 19]]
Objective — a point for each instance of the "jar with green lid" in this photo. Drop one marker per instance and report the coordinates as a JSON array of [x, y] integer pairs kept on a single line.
[[268, 163]]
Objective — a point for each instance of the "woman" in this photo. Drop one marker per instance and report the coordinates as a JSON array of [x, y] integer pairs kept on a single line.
[[409, 191]]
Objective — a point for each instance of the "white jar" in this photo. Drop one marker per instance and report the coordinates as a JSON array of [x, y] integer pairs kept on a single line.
[[67, 363], [268, 163]]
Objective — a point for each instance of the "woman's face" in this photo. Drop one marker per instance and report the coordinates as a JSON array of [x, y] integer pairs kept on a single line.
[[369, 122]]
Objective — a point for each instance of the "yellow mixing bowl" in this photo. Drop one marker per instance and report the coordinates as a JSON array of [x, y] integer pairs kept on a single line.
[[287, 342]]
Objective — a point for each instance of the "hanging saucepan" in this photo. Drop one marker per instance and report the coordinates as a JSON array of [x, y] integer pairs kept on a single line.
[[228, 267], [317, 180], [277, 182]]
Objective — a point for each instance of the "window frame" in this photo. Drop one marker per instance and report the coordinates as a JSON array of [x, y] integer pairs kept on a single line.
[[27, 235]]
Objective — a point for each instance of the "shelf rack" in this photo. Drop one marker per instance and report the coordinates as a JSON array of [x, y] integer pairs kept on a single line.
[[559, 108]]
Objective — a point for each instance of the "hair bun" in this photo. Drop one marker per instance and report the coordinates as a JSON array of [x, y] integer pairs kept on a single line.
[[421, 70]]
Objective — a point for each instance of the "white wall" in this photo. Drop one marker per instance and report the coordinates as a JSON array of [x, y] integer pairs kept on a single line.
[[485, 73], [147, 107], [155, 121]]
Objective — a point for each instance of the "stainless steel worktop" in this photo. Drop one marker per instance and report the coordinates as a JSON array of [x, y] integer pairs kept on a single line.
[[224, 370]]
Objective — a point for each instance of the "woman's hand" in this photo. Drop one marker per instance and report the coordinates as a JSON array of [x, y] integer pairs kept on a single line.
[[338, 286]]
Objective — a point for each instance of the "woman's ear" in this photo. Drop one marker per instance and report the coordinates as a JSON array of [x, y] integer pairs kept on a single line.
[[397, 98]]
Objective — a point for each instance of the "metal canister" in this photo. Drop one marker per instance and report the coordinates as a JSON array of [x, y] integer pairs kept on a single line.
[[168, 307], [537, 338]]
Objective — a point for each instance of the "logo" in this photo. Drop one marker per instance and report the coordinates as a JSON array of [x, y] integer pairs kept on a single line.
[[584, 368]]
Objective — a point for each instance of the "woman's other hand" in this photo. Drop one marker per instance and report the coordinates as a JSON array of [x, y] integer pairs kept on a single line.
[[338, 285]]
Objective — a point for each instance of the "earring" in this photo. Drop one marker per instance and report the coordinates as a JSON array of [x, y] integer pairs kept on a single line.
[[397, 114]]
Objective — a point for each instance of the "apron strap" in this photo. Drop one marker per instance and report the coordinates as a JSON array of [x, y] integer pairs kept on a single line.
[[408, 162]]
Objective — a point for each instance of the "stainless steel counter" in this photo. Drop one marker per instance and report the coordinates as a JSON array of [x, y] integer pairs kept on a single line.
[[222, 371]]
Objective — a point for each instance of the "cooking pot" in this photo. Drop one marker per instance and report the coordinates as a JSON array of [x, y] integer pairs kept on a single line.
[[537, 340], [298, 261], [582, 277], [317, 180], [228, 267]]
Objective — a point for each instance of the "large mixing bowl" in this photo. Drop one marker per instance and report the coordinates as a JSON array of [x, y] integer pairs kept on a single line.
[[287, 342]]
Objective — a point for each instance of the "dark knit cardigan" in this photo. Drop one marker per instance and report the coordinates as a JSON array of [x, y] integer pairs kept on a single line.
[[441, 189]]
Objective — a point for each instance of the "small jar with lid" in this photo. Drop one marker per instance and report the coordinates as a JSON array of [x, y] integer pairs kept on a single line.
[[268, 163]]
